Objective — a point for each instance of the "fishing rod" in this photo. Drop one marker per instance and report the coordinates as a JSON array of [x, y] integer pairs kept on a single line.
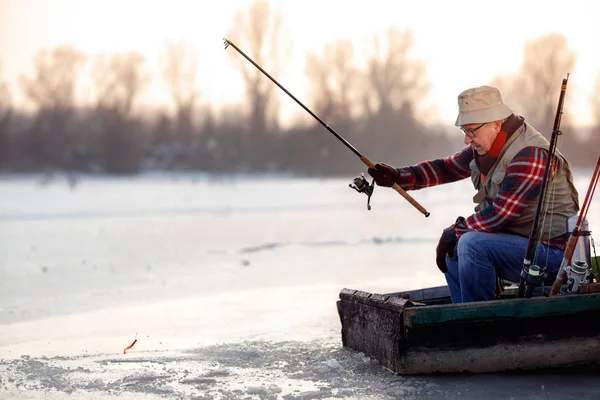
[[574, 238], [360, 183], [531, 275]]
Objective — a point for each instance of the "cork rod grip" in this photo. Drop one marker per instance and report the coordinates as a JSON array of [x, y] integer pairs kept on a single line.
[[400, 191], [563, 265]]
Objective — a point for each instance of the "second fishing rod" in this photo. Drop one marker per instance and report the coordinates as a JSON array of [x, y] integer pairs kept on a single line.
[[532, 274], [360, 184]]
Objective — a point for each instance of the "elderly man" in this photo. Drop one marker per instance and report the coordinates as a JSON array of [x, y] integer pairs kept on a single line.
[[505, 159]]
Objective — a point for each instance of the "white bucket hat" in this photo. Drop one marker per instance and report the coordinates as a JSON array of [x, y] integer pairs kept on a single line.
[[479, 105]]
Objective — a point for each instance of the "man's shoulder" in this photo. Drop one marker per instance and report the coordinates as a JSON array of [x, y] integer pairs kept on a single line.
[[530, 154]]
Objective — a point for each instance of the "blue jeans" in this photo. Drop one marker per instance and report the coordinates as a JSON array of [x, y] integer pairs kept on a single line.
[[480, 257]]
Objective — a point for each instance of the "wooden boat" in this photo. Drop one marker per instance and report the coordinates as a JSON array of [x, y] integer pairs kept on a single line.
[[421, 332]]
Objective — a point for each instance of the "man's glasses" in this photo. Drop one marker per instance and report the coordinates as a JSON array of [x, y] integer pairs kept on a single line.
[[471, 132]]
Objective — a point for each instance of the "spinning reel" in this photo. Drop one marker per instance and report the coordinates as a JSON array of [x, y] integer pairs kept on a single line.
[[361, 185], [531, 277]]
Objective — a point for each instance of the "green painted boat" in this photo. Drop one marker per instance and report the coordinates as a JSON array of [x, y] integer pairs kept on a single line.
[[422, 332]]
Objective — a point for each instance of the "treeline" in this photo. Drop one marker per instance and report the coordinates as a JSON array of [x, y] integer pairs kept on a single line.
[[102, 140], [372, 106]]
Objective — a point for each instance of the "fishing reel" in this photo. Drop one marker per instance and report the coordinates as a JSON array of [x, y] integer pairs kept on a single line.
[[531, 277], [361, 185], [577, 274]]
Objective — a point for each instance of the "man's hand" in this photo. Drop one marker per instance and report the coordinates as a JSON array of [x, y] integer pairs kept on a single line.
[[447, 245], [384, 174], [442, 249]]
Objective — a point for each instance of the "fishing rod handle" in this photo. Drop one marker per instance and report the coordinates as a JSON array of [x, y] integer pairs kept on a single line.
[[562, 270], [398, 189]]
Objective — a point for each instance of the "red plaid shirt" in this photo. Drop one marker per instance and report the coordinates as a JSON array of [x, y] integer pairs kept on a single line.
[[521, 186]]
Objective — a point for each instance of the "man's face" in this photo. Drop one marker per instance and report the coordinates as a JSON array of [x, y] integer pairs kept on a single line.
[[481, 136]]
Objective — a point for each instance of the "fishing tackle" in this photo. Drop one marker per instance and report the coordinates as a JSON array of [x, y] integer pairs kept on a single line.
[[131, 345], [361, 185], [531, 276], [535, 275], [581, 229], [577, 274], [363, 158]]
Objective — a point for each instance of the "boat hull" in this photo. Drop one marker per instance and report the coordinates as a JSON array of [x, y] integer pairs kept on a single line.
[[427, 334]]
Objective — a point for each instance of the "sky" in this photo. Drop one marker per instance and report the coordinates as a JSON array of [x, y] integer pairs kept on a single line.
[[464, 43]]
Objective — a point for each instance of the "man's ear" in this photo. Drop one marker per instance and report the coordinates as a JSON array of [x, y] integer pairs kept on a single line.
[[498, 125]]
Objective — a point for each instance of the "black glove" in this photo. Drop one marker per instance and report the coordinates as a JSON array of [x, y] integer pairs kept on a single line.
[[447, 245], [384, 174], [442, 249]]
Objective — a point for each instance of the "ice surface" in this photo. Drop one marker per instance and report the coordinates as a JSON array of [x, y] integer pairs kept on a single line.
[[230, 287]]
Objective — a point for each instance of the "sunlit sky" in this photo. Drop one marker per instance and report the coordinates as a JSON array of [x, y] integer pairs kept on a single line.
[[464, 43]]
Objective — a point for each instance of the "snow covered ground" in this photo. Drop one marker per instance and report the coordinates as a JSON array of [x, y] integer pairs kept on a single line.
[[229, 287]]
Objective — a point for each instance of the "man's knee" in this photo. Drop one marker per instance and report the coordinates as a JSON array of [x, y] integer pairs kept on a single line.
[[471, 240]]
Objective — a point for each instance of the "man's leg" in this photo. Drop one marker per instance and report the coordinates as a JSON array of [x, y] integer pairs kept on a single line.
[[453, 279], [482, 255]]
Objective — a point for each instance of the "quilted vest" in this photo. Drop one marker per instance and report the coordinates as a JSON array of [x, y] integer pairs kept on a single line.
[[561, 193]]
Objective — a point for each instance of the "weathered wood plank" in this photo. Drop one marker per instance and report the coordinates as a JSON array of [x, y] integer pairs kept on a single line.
[[502, 356], [438, 292], [384, 301], [375, 331], [495, 309], [589, 288]]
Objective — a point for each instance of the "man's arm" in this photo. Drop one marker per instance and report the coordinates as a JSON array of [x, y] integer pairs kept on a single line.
[[436, 172], [521, 186]]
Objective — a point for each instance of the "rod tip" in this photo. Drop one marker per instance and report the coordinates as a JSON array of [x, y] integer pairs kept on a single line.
[[226, 43]]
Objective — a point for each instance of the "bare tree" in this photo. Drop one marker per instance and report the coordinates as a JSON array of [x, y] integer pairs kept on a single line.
[[179, 71], [394, 85], [120, 79], [4, 94], [534, 91], [52, 90], [333, 79], [259, 32], [393, 78], [593, 141], [55, 78], [596, 102], [5, 114]]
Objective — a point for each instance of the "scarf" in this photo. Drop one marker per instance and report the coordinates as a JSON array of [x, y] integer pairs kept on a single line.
[[486, 162]]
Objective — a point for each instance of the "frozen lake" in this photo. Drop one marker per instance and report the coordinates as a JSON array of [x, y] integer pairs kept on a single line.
[[228, 285]]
